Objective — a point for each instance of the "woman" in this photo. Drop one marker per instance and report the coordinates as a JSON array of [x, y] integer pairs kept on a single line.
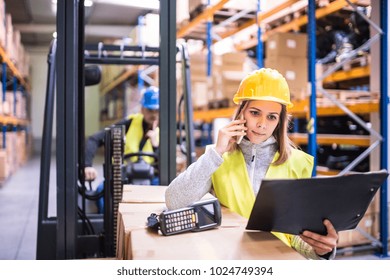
[[233, 169]]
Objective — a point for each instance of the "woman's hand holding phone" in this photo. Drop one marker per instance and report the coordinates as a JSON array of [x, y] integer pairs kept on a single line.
[[234, 131]]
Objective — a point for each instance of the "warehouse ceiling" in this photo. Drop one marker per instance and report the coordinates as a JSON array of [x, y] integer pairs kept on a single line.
[[108, 19], [36, 20]]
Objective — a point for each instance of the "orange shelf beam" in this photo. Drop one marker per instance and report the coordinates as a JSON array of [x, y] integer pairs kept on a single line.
[[354, 73], [324, 171], [204, 16], [12, 67], [300, 110], [296, 23], [13, 120], [261, 16], [123, 77], [330, 139]]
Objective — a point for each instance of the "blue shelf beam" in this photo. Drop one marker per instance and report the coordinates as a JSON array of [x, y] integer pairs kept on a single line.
[[312, 124], [15, 88], [259, 47], [209, 42], [4, 80], [384, 117]]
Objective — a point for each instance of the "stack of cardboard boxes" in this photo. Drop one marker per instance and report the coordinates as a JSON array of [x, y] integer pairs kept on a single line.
[[147, 32], [287, 53], [199, 81], [232, 69], [14, 145], [16, 151], [217, 90], [14, 104], [10, 41], [4, 169], [367, 228]]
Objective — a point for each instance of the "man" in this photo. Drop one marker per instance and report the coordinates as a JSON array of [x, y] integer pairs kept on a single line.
[[142, 134]]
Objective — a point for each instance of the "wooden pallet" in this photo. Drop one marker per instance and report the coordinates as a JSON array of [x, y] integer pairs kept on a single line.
[[325, 171], [330, 139], [197, 11], [362, 60], [347, 97], [201, 108], [219, 103]]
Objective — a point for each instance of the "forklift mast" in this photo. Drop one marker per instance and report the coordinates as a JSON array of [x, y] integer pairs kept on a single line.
[[73, 233]]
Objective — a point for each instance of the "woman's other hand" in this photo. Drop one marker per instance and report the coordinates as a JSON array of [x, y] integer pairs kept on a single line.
[[322, 244]]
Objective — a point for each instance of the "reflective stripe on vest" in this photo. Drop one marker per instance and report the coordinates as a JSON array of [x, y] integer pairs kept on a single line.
[[234, 190], [134, 136]]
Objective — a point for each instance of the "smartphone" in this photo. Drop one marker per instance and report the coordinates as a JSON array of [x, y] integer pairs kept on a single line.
[[199, 216], [240, 115]]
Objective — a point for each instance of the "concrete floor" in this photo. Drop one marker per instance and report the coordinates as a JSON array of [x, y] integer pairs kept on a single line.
[[19, 198], [19, 213]]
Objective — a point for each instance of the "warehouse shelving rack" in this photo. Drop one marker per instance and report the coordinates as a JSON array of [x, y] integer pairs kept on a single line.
[[332, 7], [311, 110], [18, 81], [10, 73]]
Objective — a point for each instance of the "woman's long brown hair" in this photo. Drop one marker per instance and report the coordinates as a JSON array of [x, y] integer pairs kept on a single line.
[[282, 139]]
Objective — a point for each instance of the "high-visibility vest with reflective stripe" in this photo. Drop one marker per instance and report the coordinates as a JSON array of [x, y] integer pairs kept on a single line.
[[234, 190], [134, 136]]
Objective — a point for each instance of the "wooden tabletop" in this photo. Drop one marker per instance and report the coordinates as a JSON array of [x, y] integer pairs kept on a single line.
[[228, 241]]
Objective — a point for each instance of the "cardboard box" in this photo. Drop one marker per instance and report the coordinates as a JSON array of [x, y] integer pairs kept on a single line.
[[200, 94], [135, 241], [2, 24], [182, 11], [143, 194], [229, 88], [287, 44], [194, 4], [132, 216], [369, 225], [223, 243], [148, 33], [300, 93], [374, 206], [237, 58], [137, 204], [295, 71], [4, 167]]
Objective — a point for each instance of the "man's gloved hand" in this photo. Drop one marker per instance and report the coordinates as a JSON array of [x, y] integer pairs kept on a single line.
[[90, 173]]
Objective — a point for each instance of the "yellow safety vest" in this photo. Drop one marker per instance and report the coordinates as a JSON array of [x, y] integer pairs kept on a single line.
[[134, 136], [234, 190]]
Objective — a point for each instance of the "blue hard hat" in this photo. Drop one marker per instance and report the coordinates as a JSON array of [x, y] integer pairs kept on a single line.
[[151, 98]]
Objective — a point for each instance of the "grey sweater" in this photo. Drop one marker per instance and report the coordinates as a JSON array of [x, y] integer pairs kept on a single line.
[[195, 182]]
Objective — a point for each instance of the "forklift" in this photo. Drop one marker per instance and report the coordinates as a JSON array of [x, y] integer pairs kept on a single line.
[[73, 233]]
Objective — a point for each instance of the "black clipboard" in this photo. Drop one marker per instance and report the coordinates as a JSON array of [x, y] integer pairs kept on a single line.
[[294, 205]]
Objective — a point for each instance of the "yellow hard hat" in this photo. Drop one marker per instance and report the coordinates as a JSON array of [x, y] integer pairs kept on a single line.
[[264, 84]]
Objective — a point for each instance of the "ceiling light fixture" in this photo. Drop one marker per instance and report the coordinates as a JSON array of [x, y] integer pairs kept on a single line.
[[87, 3], [144, 4]]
